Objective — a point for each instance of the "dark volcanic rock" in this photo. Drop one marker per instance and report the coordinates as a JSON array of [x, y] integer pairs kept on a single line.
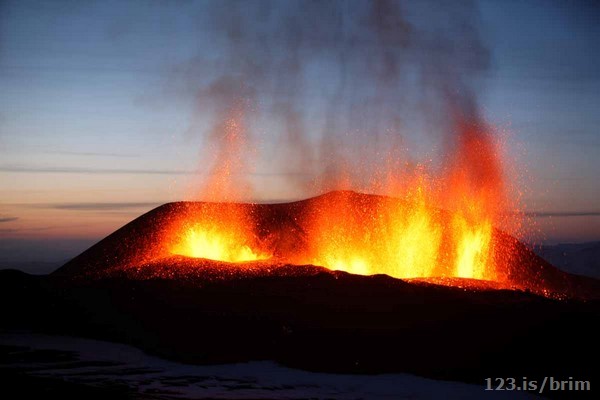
[[320, 321], [125, 289], [139, 250]]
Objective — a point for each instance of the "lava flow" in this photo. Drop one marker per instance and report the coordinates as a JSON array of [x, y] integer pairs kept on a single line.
[[210, 242], [434, 225], [432, 228], [403, 238], [220, 232], [411, 237]]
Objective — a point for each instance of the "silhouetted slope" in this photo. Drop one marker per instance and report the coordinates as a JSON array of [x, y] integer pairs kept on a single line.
[[319, 320], [139, 250], [128, 288]]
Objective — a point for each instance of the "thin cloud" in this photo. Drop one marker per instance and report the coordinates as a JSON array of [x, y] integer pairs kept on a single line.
[[40, 228], [93, 154], [101, 206], [8, 219], [22, 229], [84, 170]]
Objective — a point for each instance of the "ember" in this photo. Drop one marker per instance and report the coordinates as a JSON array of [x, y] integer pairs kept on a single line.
[[434, 227]]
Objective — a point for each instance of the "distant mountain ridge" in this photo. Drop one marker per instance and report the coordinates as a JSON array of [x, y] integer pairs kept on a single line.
[[575, 258]]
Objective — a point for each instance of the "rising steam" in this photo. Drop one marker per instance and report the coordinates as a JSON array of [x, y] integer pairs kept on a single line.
[[347, 93]]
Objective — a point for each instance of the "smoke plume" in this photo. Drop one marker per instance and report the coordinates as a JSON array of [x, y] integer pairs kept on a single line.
[[339, 94]]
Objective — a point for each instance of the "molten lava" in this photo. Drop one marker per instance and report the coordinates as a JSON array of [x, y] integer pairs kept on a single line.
[[214, 244], [433, 227], [472, 241], [410, 237], [217, 232], [400, 238]]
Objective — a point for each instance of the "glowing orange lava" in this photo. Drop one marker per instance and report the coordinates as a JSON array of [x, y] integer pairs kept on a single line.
[[403, 239], [215, 244], [221, 232], [410, 237], [434, 227]]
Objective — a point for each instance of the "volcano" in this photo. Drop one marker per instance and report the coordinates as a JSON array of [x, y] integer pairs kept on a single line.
[[147, 248], [141, 286]]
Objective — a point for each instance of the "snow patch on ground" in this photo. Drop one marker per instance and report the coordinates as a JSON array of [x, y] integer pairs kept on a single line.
[[99, 363]]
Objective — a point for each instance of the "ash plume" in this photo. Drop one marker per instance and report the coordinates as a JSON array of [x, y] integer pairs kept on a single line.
[[345, 88]]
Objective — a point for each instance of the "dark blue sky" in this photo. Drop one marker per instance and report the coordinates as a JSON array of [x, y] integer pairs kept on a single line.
[[97, 124]]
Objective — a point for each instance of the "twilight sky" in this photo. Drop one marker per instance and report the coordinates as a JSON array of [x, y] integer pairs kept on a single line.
[[100, 120]]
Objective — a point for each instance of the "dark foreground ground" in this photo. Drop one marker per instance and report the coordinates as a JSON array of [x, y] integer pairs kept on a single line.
[[71, 366], [34, 387], [323, 321]]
